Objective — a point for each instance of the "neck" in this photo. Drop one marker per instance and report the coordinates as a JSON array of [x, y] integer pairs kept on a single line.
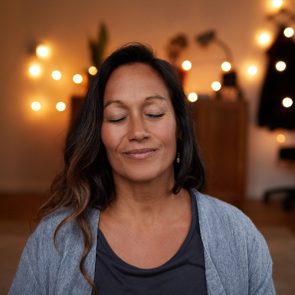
[[145, 202]]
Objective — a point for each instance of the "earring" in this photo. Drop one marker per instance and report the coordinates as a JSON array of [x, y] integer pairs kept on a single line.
[[178, 158]]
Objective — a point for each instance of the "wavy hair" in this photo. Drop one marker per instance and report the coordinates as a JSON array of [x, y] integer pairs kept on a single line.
[[86, 179]]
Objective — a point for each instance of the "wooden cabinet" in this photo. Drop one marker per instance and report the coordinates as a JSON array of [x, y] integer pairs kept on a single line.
[[221, 128]]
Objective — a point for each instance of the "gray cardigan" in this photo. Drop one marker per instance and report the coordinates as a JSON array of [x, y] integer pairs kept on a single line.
[[237, 260]]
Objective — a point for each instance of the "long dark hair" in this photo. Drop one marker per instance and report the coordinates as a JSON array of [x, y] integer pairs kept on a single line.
[[86, 180]]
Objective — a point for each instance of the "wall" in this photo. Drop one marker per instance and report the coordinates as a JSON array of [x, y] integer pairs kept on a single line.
[[31, 143]]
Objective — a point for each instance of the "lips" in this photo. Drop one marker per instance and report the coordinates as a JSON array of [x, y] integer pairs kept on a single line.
[[140, 153]]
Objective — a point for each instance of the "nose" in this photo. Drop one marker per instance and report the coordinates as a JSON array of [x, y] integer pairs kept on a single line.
[[137, 130]]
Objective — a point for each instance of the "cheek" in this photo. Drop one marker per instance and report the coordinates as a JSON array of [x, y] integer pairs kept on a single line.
[[167, 132], [107, 138], [111, 137]]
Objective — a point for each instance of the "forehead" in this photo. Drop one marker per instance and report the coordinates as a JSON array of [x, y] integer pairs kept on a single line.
[[136, 79]]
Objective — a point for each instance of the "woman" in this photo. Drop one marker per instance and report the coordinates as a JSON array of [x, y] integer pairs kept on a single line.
[[125, 215]]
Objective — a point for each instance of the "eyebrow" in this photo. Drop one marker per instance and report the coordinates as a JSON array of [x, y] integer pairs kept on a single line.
[[117, 101]]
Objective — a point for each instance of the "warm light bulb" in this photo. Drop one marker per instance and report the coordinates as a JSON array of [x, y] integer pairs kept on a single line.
[[264, 39], [36, 106], [216, 86], [281, 138], [226, 66], [192, 97], [42, 51], [287, 102], [60, 106], [56, 75], [77, 79], [281, 66], [92, 70], [35, 70], [289, 32], [252, 70], [277, 3], [186, 65]]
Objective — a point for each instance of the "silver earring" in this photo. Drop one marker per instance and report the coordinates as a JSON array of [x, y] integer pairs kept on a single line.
[[178, 158]]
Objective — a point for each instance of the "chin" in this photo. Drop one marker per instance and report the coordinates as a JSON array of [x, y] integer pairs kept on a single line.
[[140, 177], [146, 175]]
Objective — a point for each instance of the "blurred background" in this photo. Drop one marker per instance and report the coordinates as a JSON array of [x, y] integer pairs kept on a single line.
[[236, 62]]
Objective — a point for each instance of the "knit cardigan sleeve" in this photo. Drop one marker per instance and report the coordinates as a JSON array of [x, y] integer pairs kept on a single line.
[[237, 259], [49, 268], [34, 266], [259, 266]]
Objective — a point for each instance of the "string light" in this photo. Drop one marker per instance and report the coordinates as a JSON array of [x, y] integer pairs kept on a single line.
[[36, 106], [252, 70], [42, 51], [60, 106], [35, 70], [92, 70], [287, 102], [277, 3], [186, 65], [281, 138], [216, 86], [192, 97], [288, 32], [77, 79], [281, 66], [56, 75], [226, 66], [264, 39]]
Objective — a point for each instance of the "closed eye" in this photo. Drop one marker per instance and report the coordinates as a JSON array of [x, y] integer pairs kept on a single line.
[[156, 115], [116, 120]]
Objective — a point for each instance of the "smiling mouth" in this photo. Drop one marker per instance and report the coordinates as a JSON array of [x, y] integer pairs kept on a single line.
[[140, 153]]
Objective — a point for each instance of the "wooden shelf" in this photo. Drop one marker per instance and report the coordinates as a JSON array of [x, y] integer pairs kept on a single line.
[[221, 128]]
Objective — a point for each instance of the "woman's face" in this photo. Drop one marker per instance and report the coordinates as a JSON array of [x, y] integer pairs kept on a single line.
[[139, 126]]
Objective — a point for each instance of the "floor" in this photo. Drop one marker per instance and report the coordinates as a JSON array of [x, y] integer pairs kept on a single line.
[[17, 222]]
